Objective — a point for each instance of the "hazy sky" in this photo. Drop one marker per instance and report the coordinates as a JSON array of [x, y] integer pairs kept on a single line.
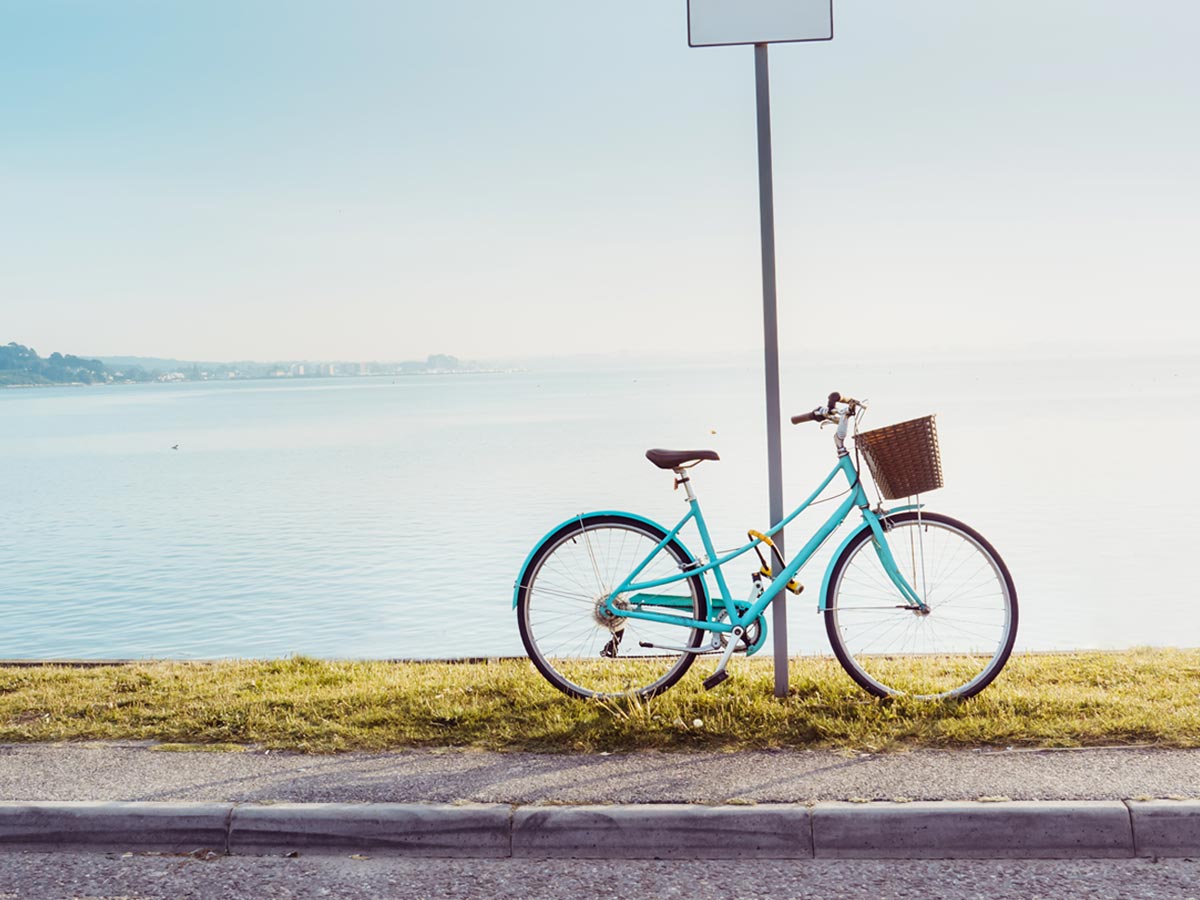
[[380, 180]]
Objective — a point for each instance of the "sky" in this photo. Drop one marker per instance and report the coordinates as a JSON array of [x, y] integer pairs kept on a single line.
[[385, 180]]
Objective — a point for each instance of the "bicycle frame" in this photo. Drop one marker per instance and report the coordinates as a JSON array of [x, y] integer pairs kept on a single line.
[[637, 596]]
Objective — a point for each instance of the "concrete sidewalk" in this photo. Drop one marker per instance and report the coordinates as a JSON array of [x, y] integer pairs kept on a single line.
[[926, 804]]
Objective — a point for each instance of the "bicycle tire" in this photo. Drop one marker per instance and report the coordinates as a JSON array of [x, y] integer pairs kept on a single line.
[[564, 630], [889, 647]]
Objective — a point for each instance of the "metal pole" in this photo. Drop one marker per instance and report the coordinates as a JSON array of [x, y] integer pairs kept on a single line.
[[766, 205]]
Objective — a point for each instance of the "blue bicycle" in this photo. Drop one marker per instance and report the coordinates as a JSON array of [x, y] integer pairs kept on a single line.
[[915, 603]]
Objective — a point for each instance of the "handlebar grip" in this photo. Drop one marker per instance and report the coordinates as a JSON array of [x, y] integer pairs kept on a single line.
[[820, 413]]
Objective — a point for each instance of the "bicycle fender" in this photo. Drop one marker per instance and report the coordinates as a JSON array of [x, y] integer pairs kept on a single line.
[[571, 521], [837, 554]]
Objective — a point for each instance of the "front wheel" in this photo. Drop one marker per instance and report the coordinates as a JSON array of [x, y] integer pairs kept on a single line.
[[570, 634], [956, 644]]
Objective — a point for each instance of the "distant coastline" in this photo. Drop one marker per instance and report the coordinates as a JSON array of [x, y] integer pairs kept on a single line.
[[21, 366]]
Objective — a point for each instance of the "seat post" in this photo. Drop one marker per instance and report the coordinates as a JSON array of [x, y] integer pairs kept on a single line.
[[684, 480]]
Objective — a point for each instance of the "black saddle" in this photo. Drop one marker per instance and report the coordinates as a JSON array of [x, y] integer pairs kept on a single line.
[[674, 459]]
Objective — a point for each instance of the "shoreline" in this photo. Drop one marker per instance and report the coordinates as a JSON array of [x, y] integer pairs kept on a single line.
[[281, 378]]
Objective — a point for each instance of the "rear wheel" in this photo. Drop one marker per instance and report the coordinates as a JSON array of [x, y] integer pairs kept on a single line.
[[580, 647], [954, 647]]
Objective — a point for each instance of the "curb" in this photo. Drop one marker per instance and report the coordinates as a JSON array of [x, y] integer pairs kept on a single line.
[[878, 830], [664, 831]]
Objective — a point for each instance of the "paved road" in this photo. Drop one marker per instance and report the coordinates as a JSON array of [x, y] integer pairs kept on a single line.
[[137, 772], [64, 876]]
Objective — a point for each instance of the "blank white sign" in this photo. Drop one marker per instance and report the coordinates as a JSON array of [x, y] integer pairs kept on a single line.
[[718, 22]]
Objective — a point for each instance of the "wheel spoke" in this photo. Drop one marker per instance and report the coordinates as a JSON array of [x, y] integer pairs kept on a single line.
[[569, 629], [953, 649]]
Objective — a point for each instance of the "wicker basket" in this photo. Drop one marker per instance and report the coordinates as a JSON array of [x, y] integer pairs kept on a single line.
[[903, 458]]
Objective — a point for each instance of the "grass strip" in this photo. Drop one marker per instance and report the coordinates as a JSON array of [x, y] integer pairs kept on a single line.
[[1040, 700]]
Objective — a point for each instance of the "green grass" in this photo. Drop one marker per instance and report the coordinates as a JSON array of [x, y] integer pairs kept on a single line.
[[1051, 700]]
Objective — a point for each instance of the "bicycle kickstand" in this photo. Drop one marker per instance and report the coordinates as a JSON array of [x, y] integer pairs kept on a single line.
[[720, 674]]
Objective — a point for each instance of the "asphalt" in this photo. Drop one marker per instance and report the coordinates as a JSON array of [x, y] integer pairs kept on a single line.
[[1095, 803]]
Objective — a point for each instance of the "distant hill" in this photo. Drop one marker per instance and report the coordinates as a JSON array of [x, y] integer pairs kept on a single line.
[[153, 362]]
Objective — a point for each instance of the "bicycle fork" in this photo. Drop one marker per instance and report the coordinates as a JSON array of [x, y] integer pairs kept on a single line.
[[883, 550]]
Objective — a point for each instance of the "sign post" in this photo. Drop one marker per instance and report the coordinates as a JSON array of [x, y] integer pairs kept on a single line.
[[719, 23]]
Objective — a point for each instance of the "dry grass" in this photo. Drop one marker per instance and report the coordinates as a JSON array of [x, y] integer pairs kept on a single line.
[[1051, 700]]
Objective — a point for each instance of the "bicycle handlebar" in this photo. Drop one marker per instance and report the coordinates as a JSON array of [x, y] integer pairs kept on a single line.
[[827, 412]]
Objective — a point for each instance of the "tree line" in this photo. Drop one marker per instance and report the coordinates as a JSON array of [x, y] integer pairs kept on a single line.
[[22, 365]]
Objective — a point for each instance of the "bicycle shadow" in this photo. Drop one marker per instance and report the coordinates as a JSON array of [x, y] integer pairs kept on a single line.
[[520, 778]]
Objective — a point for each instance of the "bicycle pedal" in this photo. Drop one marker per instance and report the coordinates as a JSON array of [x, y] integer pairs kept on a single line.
[[714, 679]]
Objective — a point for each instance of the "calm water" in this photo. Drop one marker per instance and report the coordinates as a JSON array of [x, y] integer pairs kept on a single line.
[[388, 517]]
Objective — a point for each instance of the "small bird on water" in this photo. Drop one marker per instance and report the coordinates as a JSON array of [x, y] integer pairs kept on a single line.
[[175, 447]]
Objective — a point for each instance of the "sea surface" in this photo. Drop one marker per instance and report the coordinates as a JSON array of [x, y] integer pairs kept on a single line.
[[388, 517]]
